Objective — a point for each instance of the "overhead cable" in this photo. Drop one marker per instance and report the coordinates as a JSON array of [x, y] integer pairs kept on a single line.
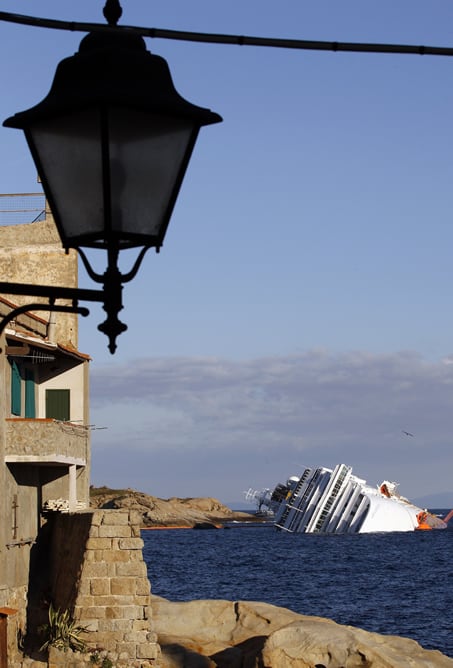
[[239, 40]]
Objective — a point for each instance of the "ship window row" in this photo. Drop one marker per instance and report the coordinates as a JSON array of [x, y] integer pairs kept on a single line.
[[331, 499]]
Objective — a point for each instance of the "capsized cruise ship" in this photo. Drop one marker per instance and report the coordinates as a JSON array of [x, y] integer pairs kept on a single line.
[[326, 500]]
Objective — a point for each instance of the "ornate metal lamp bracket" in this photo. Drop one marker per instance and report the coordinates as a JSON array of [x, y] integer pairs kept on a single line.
[[110, 296], [52, 293]]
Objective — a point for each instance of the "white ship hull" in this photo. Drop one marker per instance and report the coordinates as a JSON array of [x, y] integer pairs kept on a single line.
[[336, 501]]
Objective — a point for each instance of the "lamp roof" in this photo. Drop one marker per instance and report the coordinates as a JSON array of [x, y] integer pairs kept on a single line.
[[113, 68]]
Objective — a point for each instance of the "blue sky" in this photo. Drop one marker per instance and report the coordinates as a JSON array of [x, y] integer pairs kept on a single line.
[[300, 311]]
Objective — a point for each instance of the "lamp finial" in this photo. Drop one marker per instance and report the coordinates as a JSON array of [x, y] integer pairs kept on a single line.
[[112, 12]]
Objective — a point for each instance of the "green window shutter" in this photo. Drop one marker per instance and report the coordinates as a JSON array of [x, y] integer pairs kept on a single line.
[[30, 409], [16, 390], [57, 404]]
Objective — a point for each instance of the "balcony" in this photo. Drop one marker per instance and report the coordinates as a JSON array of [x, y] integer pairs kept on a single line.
[[45, 442]]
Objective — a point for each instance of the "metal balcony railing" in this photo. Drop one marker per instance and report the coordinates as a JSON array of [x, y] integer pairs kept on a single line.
[[22, 208]]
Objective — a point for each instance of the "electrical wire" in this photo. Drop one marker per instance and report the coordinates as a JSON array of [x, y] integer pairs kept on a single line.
[[239, 40]]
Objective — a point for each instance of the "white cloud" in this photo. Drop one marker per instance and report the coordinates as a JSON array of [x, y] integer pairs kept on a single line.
[[313, 408]]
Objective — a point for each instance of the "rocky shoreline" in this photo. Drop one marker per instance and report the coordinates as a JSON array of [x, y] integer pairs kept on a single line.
[[238, 634], [202, 512]]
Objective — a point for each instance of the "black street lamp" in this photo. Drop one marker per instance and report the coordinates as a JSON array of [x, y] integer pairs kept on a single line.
[[111, 143]]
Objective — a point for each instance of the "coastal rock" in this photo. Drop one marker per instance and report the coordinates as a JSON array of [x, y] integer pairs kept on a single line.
[[166, 512], [245, 634]]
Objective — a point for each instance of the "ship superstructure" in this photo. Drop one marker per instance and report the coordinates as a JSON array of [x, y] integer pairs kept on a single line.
[[324, 500]]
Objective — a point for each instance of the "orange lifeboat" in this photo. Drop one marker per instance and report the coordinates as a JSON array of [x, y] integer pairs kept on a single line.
[[423, 525], [427, 521], [384, 490]]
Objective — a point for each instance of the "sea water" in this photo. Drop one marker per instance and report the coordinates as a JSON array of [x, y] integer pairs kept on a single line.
[[390, 583]]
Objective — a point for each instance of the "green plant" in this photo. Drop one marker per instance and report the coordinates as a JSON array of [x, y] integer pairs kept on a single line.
[[62, 632]]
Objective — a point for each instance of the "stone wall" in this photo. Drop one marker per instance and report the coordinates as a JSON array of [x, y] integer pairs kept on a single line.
[[101, 552], [46, 438]]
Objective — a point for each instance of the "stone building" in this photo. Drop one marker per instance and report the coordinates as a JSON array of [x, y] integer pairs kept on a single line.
[[47, 533]]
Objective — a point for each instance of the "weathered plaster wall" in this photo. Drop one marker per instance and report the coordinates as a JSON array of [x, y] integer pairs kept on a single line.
[[13, 560], [22, 519], [32, 253], [19, 525], [2, 475], [72, 379], [83, 485], [31, 234]]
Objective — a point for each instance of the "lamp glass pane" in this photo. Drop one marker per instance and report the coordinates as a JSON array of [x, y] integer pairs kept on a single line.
[[148, 157], [70, 166]]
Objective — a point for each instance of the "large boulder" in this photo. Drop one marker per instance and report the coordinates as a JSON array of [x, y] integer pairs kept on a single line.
[[245, 634]]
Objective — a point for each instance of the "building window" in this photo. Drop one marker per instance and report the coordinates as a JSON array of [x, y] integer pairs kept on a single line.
[[30, 406], [16, 390], [18, 374], [57, 404]]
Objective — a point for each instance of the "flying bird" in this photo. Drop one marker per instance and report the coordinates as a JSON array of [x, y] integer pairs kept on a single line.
[[407, 433]]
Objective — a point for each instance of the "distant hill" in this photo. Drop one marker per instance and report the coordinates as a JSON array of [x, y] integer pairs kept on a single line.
[[438, 500], [165, 512]]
